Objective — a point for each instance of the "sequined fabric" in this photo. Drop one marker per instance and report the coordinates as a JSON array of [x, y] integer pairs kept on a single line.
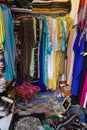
[[27, 123]]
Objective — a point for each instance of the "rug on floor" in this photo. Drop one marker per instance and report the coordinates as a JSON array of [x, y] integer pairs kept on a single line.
[[39, 104]]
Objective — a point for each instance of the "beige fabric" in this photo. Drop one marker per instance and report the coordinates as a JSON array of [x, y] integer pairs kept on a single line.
[[48, 1], [41, 1], [70, 55], [74, 10], [59, 0]]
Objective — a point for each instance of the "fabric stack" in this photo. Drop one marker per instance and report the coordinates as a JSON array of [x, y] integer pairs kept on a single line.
[[23, 4], [2, 83], [51, 5], [2, 76]]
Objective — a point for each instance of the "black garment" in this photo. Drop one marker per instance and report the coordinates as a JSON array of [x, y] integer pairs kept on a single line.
[[65, 124], [74, 100], [83, 74], [27, 41], [23, 3], [36, 52]]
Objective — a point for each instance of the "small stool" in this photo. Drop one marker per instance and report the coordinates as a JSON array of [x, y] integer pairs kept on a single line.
[[26, 91]]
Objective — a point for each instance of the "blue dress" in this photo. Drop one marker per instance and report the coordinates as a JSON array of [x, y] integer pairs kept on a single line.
[[78, 62], [45, 49], [9, 53]]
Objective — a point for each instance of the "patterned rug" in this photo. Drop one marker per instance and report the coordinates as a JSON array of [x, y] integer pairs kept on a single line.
[[39, 104]]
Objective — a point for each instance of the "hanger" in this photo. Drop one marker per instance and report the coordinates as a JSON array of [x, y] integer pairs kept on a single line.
[[24, 16]]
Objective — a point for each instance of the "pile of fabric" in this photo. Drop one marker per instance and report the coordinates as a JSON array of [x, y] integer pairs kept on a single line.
[[73, 119], [51, 5]]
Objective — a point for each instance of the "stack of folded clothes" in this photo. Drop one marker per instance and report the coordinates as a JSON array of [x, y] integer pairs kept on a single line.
[[51, 5], [2, 83], [21, 4], [2, 75]]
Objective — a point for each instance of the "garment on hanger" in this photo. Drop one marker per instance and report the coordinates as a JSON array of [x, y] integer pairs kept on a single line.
[[84, 91], [78, 61], [74, 10], [27, 42], [36, 73], [9, 46], [2, 31], [70, 55], [83, 77], [82, 12]]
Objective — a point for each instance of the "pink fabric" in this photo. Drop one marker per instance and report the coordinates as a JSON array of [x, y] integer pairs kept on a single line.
[[70, 55], [82, 12], [84, 90]]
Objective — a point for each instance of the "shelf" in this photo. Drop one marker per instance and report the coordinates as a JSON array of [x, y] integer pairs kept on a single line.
[[21, 10], [29, 11]]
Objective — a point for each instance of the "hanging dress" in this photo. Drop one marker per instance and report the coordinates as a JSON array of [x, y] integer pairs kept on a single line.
[[78, 62], [9, 46], [84, 91], [83, 75]]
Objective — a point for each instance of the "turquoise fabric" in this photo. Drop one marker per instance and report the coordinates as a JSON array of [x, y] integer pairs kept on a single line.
[[9, 53], [46, 49], [47, 127], [63, 38]]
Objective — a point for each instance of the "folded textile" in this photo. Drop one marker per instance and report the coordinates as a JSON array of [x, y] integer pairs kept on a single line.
[[52, 4], [41, 1], [48, 1]]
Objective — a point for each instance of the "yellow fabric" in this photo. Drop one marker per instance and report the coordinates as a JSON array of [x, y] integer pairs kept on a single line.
[[53, 84], [59, 66], [58, 69], [59, 26], [2, 31], [61, 63], [69, 23], [49, 9]]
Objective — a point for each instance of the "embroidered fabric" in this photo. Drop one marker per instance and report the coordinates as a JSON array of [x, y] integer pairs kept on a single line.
[[27, 123]]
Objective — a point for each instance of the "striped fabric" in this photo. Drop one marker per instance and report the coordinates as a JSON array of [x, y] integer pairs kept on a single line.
[[82, 12]]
